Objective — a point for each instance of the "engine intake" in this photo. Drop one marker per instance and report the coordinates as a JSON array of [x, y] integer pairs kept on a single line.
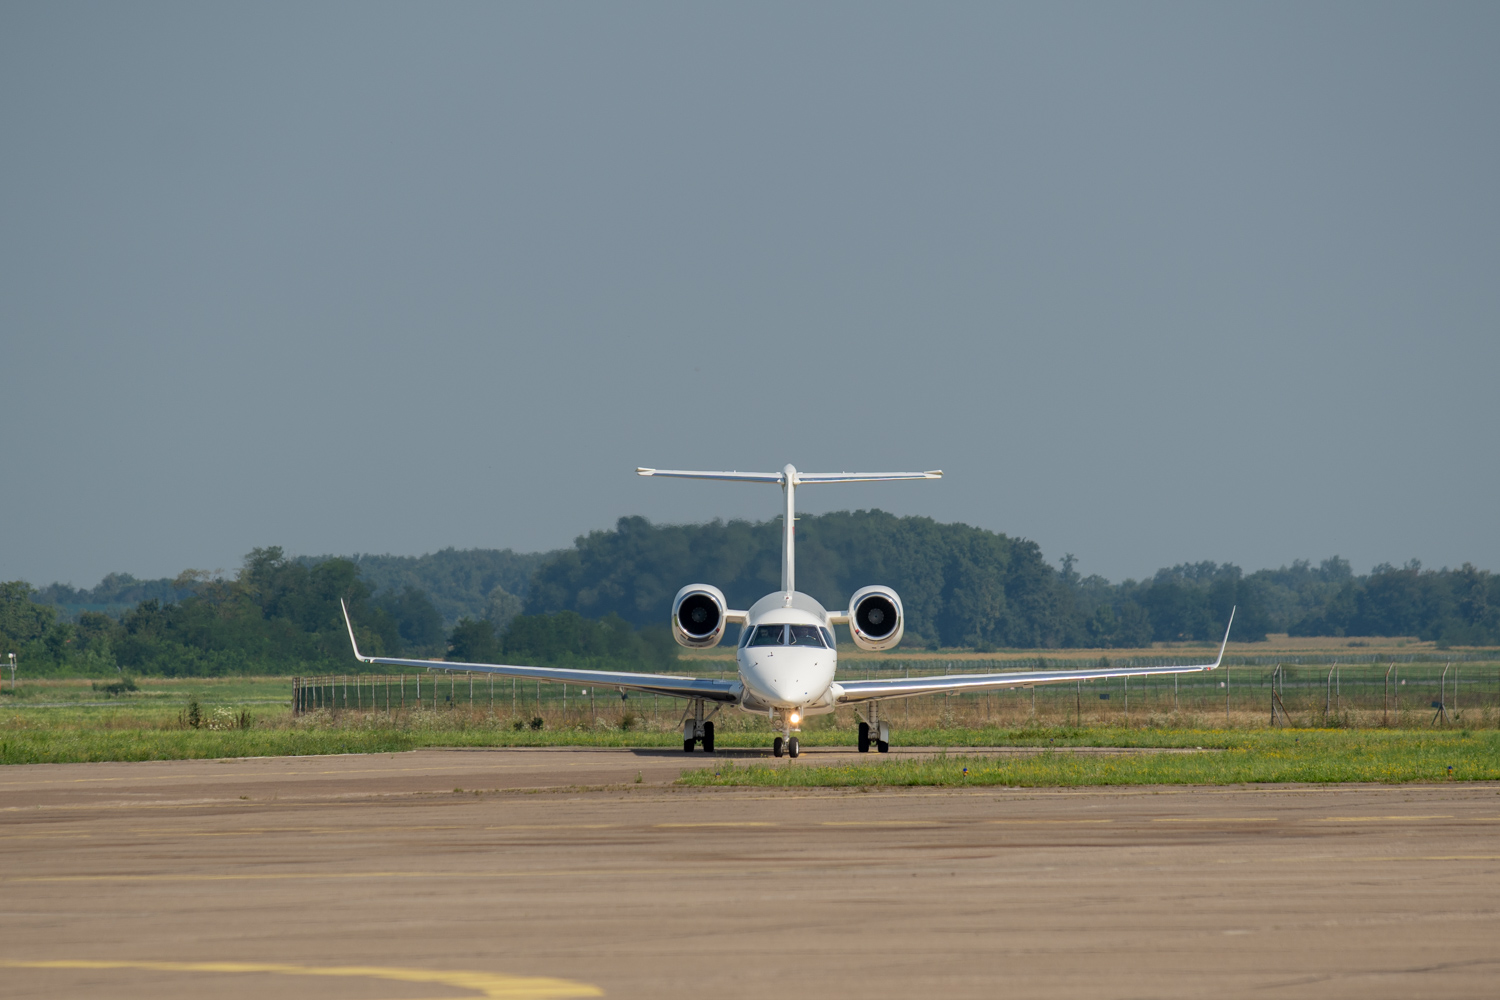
[[875, 619], [698, 619]]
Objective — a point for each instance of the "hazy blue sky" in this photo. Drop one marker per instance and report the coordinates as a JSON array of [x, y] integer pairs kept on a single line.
[[1152, 283]]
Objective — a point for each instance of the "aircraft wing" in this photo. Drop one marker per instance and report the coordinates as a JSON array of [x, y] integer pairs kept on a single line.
[[674, 685], [910, 687]]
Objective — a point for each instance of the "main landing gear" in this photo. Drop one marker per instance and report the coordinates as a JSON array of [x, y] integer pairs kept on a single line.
[[879, 731], [698, 729]]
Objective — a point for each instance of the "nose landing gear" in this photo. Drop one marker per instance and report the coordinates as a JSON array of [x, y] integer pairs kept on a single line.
[[786, 742]]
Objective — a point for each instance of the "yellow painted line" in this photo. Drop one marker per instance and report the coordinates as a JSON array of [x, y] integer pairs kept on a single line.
[[1045, 822], [1216, 819], [484, 984], [884, 822], [555, 826], [315, 875], [259, 831], [1379, 819], [682, 826]]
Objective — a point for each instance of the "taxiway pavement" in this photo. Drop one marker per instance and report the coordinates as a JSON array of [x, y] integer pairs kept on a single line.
[[453, 873]]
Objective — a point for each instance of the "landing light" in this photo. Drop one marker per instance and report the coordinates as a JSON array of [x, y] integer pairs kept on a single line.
[[796, 718]]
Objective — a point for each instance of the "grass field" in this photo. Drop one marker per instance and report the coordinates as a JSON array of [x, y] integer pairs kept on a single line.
[[1234, 757], [1367, 736]]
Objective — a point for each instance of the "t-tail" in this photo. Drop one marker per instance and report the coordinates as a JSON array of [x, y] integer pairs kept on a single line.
[[789, 479]]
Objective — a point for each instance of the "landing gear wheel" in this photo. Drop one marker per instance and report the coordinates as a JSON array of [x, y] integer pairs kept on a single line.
[[776, 747], [687, 746], [881, 746], [708, 737], [864, 737], [791, 747]]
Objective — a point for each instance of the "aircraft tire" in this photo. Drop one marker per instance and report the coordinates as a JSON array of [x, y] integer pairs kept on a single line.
[[687, 746], [882, 746], [776, 747], [864, 737], [792, 749], [708, 737]]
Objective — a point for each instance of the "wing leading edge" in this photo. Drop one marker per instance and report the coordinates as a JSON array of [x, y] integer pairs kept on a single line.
[[910, 687], [708, 688]]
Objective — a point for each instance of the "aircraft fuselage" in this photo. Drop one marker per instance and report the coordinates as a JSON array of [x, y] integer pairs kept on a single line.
[[786, 656]]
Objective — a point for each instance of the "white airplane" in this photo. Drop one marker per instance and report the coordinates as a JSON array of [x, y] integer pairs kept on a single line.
[[787, 656]]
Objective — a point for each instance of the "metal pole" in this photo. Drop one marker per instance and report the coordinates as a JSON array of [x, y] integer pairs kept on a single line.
[[1385, 696], [1078, 705]]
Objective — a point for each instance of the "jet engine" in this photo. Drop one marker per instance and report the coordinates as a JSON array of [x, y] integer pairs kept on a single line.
[[698, 618], [875, 619]]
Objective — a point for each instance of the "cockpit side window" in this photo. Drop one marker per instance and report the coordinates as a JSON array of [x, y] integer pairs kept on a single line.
[[806, 635], [828, 638], [769, 635]]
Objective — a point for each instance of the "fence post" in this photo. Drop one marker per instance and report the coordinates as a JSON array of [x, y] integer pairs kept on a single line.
[[1385, 696]]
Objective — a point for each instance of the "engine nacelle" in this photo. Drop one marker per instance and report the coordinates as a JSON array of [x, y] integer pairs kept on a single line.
[[875, 619], [698, 619]]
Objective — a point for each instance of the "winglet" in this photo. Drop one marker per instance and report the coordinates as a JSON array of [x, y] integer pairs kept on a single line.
[[350, 626], [1221, 647]]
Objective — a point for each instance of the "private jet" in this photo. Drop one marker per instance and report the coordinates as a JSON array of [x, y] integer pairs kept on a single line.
[[787, 656]]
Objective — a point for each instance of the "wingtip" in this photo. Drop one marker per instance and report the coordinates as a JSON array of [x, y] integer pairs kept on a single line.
[[935, 474], [643, 471], [350, 626], [1225, 644]]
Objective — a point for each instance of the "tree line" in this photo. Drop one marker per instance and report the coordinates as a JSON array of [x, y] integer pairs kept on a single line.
[[968, 587], [605, 601]]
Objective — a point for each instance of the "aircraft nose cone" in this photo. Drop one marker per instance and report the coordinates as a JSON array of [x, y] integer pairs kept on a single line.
[[789, 676]]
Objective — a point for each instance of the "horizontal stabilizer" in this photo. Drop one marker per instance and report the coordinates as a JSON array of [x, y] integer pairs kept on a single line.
[[799, 478]]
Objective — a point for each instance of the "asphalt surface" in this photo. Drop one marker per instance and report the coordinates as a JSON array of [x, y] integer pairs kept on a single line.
[[554, 873]]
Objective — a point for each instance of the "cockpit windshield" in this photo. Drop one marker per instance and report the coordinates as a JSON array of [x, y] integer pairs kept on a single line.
[[806, 635], [787, 635], [769, 635]]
